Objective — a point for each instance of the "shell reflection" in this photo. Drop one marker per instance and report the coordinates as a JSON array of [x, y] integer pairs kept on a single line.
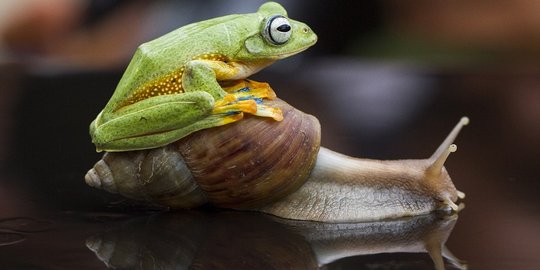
[[236, 240]]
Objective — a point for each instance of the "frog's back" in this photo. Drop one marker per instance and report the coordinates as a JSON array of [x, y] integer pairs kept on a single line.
[[181, 45], [165, 57]]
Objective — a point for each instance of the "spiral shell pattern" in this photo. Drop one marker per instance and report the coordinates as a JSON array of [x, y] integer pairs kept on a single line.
[[241, 165]]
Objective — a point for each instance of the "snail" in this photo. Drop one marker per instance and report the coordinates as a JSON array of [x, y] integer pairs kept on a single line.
[[185, 128], [279, 168]]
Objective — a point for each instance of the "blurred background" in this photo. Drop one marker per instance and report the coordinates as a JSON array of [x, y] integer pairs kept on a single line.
[[387, 79]]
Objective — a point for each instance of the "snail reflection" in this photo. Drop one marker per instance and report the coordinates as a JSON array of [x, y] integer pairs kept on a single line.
[[237, 240]]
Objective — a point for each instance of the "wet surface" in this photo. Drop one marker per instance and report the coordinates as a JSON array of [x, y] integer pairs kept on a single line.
[[226, 240]]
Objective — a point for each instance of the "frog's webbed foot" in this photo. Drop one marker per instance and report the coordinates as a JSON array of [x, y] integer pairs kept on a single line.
[[250, 88], [247, 96]]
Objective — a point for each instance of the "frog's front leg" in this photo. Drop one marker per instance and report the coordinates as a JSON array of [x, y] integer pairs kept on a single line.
[[249, 88], [156, 121], [257, 91], [237, 94]]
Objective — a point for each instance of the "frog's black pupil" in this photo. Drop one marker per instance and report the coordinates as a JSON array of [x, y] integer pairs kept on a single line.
[[284, 28]]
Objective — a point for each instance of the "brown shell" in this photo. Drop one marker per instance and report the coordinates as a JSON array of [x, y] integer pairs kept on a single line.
[[240, 165], [255, 160], [159, 176]]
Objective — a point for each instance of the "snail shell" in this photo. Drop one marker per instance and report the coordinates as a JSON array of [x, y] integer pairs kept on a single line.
[[279, 168], [242, 165]]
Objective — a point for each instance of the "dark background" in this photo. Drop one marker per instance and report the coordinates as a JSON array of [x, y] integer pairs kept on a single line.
[[387, 80]]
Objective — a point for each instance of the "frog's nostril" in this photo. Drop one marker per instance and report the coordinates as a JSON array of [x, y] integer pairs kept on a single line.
[[305, 30]]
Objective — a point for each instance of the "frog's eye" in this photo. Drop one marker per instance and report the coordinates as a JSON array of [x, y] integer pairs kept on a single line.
[[277, 30]]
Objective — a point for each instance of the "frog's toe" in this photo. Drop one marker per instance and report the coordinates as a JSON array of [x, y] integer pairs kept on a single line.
[[232, 117], [267, 111], [228, 99], [247, 96], [255, 89], [247, 106], [261, 89], [233, 86], [251, 89]]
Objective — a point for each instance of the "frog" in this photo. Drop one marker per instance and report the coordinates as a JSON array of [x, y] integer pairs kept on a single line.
[[196, 77]]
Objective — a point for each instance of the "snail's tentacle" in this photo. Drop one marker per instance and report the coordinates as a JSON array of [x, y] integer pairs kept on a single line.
[[451, 137]]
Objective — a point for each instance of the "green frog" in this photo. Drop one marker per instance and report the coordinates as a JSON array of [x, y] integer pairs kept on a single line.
[[195, 77]]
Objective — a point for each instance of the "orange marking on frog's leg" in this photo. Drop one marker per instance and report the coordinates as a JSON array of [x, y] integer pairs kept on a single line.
[[261, 85], [267, 111], [243, 95], [250, 89], [234, 85], [261, 89], [247, 106], [229, 98], [231, 118]]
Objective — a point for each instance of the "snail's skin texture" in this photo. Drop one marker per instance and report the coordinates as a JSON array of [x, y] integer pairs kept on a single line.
[[279, 169], [339, 191]]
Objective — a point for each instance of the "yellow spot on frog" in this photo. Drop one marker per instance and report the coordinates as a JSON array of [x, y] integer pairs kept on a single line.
[[169, 84]]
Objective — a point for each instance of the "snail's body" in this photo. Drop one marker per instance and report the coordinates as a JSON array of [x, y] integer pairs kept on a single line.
[[278, 168], [346, 189]]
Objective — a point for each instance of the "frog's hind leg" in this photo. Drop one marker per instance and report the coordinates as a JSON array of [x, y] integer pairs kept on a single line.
[[152, 122], [164, 137]]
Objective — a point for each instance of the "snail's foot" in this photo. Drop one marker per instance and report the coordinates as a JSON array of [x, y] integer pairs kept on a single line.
[[244, 92]]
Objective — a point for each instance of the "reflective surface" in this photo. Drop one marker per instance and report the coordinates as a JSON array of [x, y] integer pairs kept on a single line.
[[251, 241], [223, 240]]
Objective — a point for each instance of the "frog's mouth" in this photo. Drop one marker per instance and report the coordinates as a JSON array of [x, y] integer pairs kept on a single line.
[[287, 54], [309, 41]]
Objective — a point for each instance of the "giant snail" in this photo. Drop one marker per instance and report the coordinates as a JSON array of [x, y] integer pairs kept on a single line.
[[278, 167]]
